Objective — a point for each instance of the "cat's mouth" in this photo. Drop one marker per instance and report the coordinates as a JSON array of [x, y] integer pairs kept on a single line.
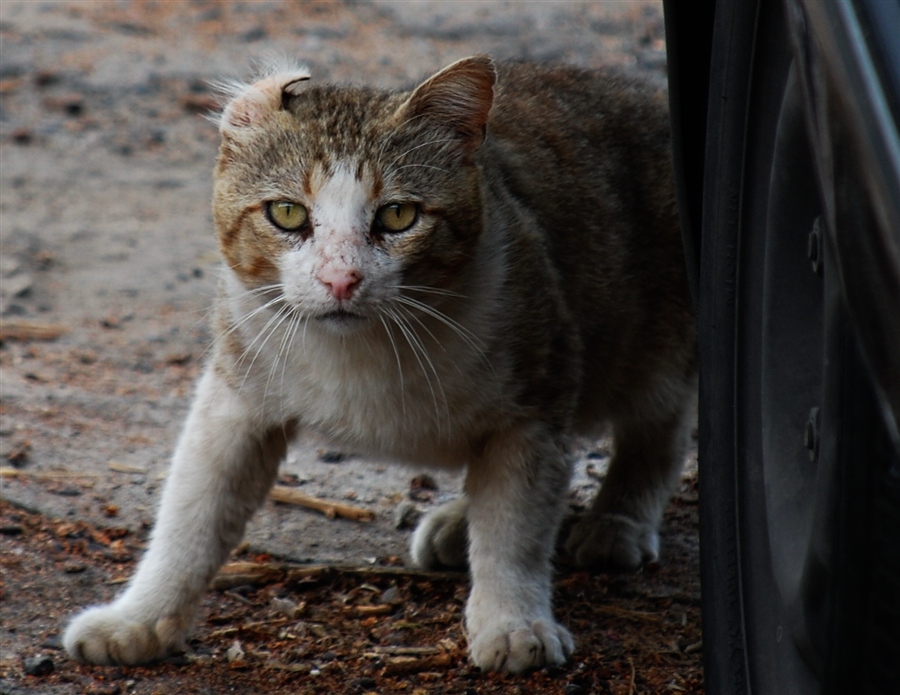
[[340, 317]]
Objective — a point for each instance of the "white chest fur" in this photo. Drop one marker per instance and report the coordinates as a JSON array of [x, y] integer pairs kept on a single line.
[[418, 393]]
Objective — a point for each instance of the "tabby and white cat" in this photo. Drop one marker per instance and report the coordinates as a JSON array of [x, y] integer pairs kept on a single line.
[[465, 275]]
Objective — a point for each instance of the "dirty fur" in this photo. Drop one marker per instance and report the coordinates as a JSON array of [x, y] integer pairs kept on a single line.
[[464, 275]]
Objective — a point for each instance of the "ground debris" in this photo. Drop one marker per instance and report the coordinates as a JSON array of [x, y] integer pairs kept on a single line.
[[289, 495], [285, 629], [10, 472], [25, 329]]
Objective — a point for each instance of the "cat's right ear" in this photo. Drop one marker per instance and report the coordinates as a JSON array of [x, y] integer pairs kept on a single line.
[[460, 97], [250, 105]]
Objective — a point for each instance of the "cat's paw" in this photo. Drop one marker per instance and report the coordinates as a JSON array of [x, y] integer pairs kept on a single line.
[[107, 635], [441, 540], [612, 541], [518, 648]]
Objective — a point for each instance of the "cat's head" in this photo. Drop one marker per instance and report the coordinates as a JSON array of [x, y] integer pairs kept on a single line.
[[344, 198]]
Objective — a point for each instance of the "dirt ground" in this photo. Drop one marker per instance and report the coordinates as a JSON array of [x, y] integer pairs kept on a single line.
[[107, 270]]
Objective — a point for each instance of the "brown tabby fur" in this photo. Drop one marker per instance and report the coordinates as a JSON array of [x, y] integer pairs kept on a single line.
[[539, 294]]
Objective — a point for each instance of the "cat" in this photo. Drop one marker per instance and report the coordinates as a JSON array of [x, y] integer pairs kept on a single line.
[[467, 274]]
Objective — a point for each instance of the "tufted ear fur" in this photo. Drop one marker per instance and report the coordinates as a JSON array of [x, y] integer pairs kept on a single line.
[[459, 96], [251, 104]]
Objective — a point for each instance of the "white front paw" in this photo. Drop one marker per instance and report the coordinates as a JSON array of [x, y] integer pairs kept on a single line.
[[107, 635], [612, 541], [517, 646]]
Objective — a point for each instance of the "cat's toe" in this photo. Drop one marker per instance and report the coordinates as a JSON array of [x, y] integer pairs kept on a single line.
[[106, 635], [441, 540], [523, 648], [612, 541]]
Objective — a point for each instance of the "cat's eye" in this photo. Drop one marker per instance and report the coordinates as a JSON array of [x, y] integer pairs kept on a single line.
[[396, 217], [286, 215]]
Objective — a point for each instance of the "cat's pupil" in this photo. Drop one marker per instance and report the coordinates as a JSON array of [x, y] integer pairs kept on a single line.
[[286, 215], [397, 217]]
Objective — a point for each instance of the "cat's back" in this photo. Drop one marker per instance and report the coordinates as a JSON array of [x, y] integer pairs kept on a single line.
[[573, 121], [588, 154], [584, 157]]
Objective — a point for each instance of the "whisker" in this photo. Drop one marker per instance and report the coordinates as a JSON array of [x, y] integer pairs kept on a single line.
[[389, 140], [470, 338], [235, 325], [280, 354], [407, 314], [423, 166], [275, 321], [421, 353], [429, 290], [437, 141], [390, 335]]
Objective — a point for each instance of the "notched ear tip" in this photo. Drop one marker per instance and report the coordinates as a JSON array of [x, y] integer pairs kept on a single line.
[[294, 87], [252, 104]]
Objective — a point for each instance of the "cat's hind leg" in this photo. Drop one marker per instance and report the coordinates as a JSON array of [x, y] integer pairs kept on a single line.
[[221, 471], [620, 530], [516, 493]]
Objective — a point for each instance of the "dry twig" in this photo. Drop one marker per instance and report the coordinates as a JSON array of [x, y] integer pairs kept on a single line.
[[21, 329], [288, 495], [10, 472]]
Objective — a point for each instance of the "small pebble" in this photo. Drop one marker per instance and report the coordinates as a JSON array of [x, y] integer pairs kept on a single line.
[[286, 607], [332, 456], [38, 665], [423, 481], [235, 652], [53, 642], [67, 492], [392, 596]]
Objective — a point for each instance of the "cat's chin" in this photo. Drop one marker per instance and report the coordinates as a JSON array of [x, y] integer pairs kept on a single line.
[[341, 321]]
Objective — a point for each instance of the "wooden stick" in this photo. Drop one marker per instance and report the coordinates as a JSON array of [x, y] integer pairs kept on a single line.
[[289, 495], [402, 665], [21, 329], [257, 573], [124, 468], [10, 472], [243, 573]]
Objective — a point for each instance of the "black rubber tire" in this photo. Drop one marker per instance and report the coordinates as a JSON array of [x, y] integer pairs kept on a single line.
[[799, 493]]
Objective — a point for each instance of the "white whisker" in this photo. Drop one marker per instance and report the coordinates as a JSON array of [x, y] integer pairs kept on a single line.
[[423, 166], [420, 352], [387, 329], [274, 322], [430, 290], [470, 338]]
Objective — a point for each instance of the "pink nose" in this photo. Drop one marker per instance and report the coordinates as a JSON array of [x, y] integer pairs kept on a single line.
[[341, 283]]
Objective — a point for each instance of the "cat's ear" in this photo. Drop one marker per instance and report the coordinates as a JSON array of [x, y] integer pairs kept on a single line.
[[459, 96], [251, 104]]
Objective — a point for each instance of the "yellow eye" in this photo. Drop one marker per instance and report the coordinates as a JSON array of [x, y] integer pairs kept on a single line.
[[286, 215], [396, 217]]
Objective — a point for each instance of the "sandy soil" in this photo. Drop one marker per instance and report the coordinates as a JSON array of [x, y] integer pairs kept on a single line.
[[107, 251]]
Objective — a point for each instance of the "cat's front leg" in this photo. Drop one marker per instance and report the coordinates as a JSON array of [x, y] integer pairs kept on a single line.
[[516, 493], [221, 471]]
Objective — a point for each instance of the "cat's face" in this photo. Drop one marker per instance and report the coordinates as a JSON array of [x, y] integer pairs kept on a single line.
[[344, 200]]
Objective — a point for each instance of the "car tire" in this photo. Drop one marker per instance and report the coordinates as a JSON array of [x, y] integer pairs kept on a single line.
[[799, 484]]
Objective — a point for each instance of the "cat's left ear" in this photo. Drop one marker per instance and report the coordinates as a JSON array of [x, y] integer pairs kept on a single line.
[[250, 105], [459, 96]]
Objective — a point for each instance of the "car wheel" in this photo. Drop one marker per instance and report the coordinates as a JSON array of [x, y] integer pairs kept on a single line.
[[799, 492]]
